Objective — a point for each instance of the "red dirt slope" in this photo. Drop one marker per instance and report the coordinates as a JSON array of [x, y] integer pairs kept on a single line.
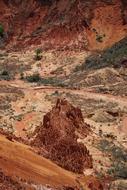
[[17, 160], [25, 170], [63, 24]]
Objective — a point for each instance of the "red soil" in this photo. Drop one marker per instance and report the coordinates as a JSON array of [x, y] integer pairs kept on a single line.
[[20, 167], [64, 24]]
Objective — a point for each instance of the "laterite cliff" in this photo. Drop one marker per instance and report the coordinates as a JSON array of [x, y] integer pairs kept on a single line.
[[63, 24]]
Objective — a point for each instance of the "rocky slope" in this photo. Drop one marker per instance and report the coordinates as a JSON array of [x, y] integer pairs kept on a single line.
[[58, 136], [83, 59], [63, 24]]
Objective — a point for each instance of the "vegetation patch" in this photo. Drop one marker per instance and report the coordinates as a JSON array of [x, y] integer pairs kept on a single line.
[[5, 75], [38, 54], [1, 30], [10, 68], [45, 81], [111, 57], [118, 170], [33, 78], [118, 156], [53, 82], [118, 153]]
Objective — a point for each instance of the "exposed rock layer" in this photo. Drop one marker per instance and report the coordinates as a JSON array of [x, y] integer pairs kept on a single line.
[[64, 24]]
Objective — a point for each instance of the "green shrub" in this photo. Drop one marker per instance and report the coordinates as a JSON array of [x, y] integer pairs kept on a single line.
[[52, 81], [45, 81], [33, 78], [21, 75], [38, 55], [4, 75], [1, 30]]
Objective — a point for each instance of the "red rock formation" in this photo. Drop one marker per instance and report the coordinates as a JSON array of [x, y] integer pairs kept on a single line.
[[58, 135], [63, 24]]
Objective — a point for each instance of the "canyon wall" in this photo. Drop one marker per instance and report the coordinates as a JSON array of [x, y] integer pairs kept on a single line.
[[63, 24]]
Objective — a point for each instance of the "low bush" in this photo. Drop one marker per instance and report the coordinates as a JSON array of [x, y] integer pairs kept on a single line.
[[38, 55], [1, 30], [33, 78], [45, 81], [52, 81], [4, 75], [21, 75]]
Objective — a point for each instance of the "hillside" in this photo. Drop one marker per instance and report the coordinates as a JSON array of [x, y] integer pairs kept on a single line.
[[63, 24], [63, 95]]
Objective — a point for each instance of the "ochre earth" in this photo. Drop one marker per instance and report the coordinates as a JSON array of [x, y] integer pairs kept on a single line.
[[63, 24]]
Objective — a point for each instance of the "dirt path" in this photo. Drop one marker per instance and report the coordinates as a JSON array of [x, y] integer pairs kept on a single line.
[[87, 92]]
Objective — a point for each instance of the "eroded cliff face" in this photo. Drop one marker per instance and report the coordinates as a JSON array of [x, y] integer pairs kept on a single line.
[[63, 24], [58, 136]]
